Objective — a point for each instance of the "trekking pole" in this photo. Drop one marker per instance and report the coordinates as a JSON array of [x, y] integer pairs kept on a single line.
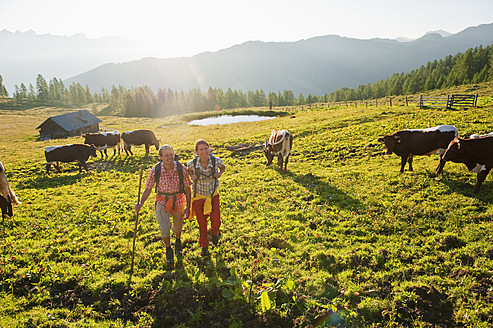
[[136, 223], [189, 230]]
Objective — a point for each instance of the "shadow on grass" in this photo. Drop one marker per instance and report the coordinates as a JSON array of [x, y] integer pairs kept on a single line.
[[54, 180], [70, 171], [456, 183], [329, 194]]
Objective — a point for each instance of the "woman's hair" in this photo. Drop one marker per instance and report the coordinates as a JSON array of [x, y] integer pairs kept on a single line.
[[201, 142]]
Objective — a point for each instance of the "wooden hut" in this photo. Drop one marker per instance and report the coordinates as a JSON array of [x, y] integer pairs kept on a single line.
[[68, 125]]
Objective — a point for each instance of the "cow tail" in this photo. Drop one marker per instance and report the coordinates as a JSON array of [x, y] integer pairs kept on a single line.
[[120, 145], [13, 197], [123, 145]]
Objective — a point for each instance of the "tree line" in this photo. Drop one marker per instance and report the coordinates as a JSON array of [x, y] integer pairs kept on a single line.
[[473, 66], [143, 101]]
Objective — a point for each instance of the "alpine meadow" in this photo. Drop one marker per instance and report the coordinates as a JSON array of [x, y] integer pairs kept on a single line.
[[340, 239]]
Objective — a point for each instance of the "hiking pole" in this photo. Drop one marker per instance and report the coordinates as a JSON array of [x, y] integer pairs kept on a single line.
[[136, 223]]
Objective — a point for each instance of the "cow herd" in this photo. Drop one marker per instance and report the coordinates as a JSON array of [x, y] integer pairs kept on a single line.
[[476, 152], [101, 141]]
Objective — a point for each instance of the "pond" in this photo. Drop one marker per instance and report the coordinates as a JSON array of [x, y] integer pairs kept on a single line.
[[228, 119]]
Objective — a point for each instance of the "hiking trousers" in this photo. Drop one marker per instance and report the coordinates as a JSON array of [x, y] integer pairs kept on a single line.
[[215, 218]]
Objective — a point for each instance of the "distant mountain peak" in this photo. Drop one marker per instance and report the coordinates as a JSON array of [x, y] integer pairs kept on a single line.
[[441, 32], [404, 39]]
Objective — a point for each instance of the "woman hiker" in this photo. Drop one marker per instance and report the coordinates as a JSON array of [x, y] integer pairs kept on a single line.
[[173, 198], [204, 170]]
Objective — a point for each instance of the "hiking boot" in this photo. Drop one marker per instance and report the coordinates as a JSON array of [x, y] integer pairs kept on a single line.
[[170, 259], [205, 252], [215, 239], [178, 248]]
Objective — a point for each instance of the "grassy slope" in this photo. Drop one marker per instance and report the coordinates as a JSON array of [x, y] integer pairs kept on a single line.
[[340, 238]]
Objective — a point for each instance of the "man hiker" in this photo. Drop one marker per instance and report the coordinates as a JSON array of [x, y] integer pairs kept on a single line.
[[204, 170], [173, 198]]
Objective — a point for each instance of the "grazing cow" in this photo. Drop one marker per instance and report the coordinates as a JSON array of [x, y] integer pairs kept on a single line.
[[69, 153], [475, 153], [104, 140], [408, 143], [7, 197], [279, 144], [139, 137]]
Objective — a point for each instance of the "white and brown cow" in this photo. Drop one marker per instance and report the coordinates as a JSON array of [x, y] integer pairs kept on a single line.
[[7, 197], [407, 143], [476, 153], [279, 144], [69, 153], [139, 137], [103, 141]]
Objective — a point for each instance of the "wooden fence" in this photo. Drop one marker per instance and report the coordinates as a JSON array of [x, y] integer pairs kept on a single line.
[[448, 102]]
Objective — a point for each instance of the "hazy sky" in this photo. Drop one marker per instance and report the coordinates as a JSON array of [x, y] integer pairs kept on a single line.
[[187, 27]]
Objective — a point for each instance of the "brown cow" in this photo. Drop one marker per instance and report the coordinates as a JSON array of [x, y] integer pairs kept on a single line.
[[69, 153], [475, 153], [408, 143], [279, 144], [7, 197], [139, 137], [104, 140]]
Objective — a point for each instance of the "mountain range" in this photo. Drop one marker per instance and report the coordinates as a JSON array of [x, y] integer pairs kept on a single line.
[[24, 55], [313, 66]]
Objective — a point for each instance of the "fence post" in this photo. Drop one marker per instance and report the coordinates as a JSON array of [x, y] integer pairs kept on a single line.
[[420, 101], [449, 102], [475, 100], [406, 101], [376, 102], [390, 99]]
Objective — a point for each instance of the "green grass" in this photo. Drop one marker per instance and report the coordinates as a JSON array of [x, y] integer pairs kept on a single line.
[[340, 239]]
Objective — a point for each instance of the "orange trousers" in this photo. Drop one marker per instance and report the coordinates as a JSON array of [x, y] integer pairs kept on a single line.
[[215, 218]]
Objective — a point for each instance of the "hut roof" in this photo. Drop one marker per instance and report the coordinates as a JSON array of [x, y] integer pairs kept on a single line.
[[74, 120]]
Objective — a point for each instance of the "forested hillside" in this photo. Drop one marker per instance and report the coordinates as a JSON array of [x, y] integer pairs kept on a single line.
[[473, 66]]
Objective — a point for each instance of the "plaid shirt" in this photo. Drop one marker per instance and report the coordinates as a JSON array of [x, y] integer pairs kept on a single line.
[[205, 180], [169, 182]]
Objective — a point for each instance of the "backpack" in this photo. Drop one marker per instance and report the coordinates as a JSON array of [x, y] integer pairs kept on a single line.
[[157, 175]]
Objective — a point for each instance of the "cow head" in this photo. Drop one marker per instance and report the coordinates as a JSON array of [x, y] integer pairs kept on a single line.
[[455, 154], [268, 153], [391, 143], [85, 139], [453, 151], [155, 142]]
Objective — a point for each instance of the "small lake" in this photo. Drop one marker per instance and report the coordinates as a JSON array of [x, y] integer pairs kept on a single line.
[[228, 119]]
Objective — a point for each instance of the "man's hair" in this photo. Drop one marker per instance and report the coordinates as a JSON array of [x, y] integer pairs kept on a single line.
[[201, 142], [163, 147]]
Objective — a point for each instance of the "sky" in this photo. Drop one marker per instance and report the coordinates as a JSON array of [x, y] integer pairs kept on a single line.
[[188, 27]]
